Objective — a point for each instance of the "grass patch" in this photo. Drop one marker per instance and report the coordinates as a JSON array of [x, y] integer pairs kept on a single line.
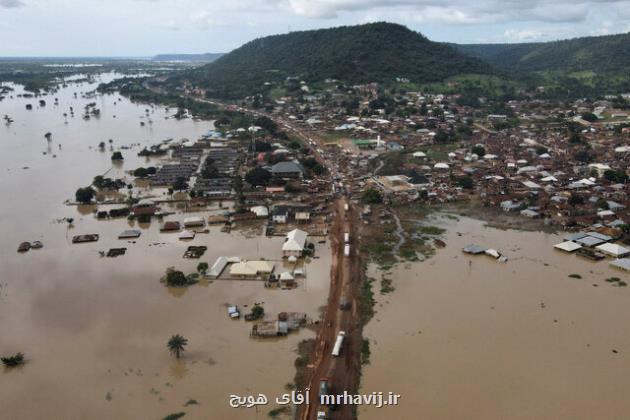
[[366, 300], [174, 416], [431, 230], [365, 351], [386, 286]]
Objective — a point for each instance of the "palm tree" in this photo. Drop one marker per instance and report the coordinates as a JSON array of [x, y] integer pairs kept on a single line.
[[176, 345]]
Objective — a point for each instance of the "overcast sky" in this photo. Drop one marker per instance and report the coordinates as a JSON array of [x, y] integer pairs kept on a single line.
[[147, 27]]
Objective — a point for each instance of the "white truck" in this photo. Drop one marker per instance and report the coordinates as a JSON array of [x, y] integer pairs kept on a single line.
[[346, 238], [346, 250], [337, 347]]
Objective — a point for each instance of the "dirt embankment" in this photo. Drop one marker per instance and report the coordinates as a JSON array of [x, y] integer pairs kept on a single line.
[[343, 372]]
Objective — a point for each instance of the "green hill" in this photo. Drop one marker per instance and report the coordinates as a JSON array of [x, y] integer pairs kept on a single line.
[[602, 54], [376, 52]]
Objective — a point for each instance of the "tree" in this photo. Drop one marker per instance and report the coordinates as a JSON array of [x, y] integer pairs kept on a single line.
[[202, 267], [541, 150], [267, 124], [84, 195], [258, 176], [176, 345], [258, 311], [175, 278], [617, 176], [12, 361], [372, 196], [479, 150], [180, 184], [575, 200], [117, 156], [466, 182], [583, 156], [589, 116]]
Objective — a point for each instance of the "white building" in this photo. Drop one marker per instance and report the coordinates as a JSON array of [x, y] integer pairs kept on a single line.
[[294, 244]]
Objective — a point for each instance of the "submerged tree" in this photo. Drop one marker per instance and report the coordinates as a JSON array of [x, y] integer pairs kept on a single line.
[[85, 195], [202, 267], [176, 345], [12, 361]]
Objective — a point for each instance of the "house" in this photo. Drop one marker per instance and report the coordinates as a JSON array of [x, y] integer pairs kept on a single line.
[[568, 246], [170, 226], [613, 250], [302, 216], [251, 269], [280, 215], [509, 205], [287, 169], [194, 222], [294, 244], [260, 211]]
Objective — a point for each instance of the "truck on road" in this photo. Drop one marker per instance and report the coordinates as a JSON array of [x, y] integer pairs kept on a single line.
[[337, 348]]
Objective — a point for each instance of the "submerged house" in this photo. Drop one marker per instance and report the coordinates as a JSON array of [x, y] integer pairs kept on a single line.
[[295, 243], [251, 269]]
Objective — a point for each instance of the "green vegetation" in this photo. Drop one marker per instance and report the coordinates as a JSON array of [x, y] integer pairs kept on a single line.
[[365, 351], [570, 68], [84, 195], [258, 177], [366, 300], [617, 176], [372, 196], [431, 230], [202, 267], [258, 311], [375, 52], [386, 286], [176, 278], [12, 361], [575, 276], [176, 345], [144, 172], [174, 416]]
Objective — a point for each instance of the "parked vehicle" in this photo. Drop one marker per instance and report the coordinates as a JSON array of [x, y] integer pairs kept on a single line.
[[337, 348]]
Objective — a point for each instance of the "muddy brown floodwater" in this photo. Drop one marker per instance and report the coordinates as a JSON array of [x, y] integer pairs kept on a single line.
[[94, 329], [471, 338]]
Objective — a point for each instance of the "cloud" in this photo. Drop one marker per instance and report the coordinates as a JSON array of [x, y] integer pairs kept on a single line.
[[11, 4], [454, 11]]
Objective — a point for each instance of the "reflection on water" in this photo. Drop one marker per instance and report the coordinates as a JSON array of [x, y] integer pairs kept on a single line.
[[179, 369]]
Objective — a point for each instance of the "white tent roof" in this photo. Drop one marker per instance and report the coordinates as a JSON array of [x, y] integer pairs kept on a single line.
[[286, 276], [568, 246], [251, 268], [613, 249], [296, 240], [187, 235]]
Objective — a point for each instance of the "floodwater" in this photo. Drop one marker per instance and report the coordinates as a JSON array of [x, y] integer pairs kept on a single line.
[[466, 337], [94, 329]]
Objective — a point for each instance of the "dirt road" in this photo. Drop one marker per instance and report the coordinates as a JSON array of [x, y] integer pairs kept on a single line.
[[341, 372]]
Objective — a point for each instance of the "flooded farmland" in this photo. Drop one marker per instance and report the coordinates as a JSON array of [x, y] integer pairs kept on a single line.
[[469, 337], [94, 329]]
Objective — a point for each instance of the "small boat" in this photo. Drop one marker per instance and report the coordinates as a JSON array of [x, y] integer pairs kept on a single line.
[[37, 245], [24, 246]]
